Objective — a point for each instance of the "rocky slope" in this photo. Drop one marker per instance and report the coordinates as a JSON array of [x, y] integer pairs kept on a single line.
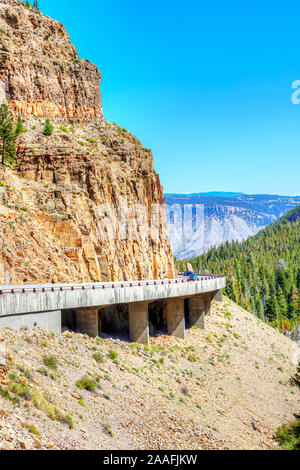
[[66, 190], [225, 218], [223, 388]]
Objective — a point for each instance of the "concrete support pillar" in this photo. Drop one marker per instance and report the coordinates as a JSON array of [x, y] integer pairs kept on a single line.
[[139, 322], [208, 304], [87, 321], [217, 295], [175, 317], [197, 311]]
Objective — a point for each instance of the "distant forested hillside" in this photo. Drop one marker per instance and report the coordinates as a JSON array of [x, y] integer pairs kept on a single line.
[[263, 272], [227, 217]]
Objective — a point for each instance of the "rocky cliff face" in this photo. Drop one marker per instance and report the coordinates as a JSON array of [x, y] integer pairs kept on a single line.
[[40, 68], [65, 191]]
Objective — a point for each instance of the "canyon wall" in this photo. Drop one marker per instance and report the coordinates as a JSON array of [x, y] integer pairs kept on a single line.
[[40, 68], [64, 188]]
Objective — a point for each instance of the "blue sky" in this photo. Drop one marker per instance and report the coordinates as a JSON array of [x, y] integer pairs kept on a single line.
[[205, 85]]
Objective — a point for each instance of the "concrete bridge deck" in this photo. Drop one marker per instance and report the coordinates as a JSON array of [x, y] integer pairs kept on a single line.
[[42, 304]]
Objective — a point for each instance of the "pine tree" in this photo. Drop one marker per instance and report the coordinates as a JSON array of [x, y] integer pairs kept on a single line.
[[283, 279], [48, 129], [36, 5], [282, 303], [272, 308], [7, 136], [259, 307], [19, 127], [28, 4]]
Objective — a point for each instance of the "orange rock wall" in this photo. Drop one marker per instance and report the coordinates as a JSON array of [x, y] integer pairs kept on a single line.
[[51, 202], [40, 68]]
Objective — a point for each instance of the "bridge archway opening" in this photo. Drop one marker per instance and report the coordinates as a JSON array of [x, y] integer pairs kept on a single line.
[[187, 313], [157, 318], [114, 321], [68, 320]]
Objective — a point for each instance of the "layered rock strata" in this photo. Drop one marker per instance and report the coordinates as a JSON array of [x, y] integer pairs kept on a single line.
[[61, 203]]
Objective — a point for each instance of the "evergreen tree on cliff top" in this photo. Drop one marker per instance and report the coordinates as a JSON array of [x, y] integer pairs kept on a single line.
[[20, 127], [7, 136], [48, 129]]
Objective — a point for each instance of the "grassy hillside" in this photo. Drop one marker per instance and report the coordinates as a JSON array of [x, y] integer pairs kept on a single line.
[[263, 273], [223, 388]]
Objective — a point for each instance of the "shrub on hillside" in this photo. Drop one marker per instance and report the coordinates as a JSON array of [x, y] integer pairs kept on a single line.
[[86, 383], [51, 362], [288, 435], [112, 354]]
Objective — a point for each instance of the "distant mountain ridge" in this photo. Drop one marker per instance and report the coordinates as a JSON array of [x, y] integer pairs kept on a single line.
[[226, 218], [211, 194]]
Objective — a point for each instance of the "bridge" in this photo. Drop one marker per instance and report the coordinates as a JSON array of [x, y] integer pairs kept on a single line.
[[94, 308]]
